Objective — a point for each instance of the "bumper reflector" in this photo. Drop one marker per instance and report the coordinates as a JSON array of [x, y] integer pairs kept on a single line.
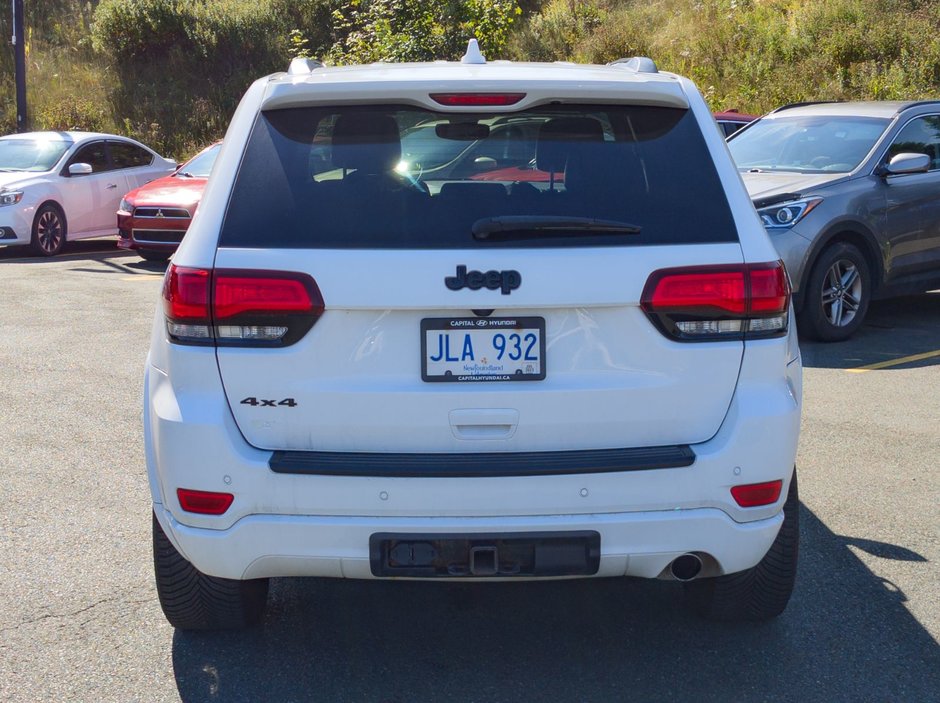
[[753, 495], [204, 502]]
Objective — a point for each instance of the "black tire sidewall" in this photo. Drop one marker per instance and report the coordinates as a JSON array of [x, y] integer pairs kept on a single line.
[[813, 318], [763, 591]]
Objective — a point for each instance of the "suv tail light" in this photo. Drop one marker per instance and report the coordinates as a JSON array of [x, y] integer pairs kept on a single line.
[[702, 303], [233, 307]]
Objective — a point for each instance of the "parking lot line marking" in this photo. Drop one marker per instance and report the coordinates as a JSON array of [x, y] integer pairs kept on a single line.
[[143, 277], [896, 362]]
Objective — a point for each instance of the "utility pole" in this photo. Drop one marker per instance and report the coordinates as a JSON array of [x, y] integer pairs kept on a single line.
[[19, 56]]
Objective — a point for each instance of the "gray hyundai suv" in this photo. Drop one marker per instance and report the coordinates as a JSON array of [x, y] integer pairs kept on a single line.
[[850, 194]]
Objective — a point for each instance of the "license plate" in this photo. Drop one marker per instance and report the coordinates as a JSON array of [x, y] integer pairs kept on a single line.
[[467, 349]]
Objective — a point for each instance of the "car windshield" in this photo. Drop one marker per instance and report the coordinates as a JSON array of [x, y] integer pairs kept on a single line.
[[31, 154], [806, 144], [401, 177], [200, 165]]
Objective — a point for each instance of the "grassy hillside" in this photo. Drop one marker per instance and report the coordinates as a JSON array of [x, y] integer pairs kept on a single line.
[[170, 72], [756, 54]]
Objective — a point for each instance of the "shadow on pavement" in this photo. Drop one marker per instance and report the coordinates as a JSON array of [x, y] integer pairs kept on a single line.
[[846, 636], [893, 329], [86, 248]]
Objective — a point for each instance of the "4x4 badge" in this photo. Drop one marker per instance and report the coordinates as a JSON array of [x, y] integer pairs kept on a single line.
[[506, 281]]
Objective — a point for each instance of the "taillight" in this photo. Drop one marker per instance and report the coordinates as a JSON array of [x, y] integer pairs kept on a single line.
[[477, 99], [234, 307], [204, 502], [701, 303], [753, 495], [186, 304]]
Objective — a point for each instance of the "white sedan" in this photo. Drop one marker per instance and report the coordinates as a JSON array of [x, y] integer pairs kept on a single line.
[[61, 186]]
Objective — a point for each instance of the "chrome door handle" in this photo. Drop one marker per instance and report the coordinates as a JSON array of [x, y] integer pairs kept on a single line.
[[111, 186]]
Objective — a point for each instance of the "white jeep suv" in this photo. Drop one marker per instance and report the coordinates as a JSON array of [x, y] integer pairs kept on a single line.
[[576, 359]]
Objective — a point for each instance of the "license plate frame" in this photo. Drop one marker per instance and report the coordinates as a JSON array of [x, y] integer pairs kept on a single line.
[[520, 326]]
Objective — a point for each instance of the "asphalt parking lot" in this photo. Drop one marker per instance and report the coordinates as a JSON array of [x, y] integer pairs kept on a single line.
[[80, 621]]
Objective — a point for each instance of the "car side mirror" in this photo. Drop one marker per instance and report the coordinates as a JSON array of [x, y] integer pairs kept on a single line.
[[80, 169], [907, 163]]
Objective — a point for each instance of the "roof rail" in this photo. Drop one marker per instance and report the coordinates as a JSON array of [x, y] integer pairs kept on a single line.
[[637, 64], [919, 103], [300, 67], [803, 104]]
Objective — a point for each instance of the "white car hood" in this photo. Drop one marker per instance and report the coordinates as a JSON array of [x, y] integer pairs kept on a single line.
[[14, 179], [764, 184]]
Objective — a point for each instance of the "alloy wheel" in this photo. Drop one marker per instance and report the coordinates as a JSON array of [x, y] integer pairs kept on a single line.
[[842, 293], [49, 231]]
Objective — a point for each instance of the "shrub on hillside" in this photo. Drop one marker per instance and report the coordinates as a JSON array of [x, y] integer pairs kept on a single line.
[[214, 30], [755, 54], [419, 30]]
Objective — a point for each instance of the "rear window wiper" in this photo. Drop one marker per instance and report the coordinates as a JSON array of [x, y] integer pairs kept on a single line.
[[508, 226]]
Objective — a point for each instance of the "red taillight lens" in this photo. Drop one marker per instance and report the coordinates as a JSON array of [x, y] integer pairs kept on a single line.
[[476, 99], [699, 290], [755, 494], [770, 289], [204, 502], [241, 293], [186, 305], [240, 308], [702, 303], [186, 293]]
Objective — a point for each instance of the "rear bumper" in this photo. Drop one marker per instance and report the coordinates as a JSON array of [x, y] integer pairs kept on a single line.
[[632, 544], [296, 524]]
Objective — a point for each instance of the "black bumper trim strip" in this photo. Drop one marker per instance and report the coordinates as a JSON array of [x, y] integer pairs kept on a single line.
[[483, 464]]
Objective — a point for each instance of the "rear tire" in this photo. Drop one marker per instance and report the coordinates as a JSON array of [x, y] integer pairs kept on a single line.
[[192, 600], [763, 591], [837, 294]]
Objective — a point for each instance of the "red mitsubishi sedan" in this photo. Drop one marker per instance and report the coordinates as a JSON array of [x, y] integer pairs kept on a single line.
[[152, 219]]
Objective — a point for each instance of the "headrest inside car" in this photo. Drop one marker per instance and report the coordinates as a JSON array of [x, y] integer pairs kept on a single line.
[[366, 141], [556, 137]]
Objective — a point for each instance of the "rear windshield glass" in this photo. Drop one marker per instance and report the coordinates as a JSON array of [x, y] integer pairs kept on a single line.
[[393, 177]]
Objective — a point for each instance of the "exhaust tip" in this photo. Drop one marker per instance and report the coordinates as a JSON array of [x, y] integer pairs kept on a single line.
[[686, 567]]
